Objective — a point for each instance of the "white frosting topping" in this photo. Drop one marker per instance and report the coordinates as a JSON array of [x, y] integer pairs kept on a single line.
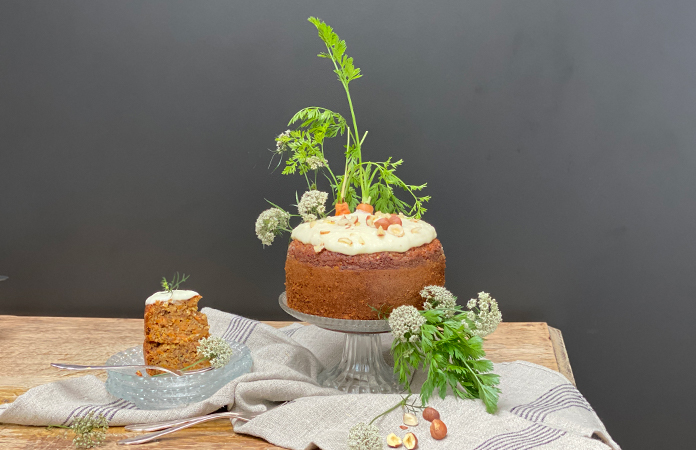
[[351, 235], [174, 296]]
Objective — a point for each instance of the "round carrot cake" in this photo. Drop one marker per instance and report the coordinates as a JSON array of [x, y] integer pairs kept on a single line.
[[356, 265]]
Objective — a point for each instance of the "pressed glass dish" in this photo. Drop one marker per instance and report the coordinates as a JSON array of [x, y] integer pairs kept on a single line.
[[168, 391]]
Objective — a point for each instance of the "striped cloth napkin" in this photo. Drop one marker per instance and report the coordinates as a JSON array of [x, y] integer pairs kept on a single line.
[[538, 408]]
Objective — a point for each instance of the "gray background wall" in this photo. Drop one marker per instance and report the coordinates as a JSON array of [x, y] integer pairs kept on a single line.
[[557, 138]]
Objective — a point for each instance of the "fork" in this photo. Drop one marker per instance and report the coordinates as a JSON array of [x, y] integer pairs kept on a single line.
[[176, 425], [174, 372]]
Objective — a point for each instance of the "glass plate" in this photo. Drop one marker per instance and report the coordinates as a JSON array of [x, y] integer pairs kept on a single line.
[[169, 391]]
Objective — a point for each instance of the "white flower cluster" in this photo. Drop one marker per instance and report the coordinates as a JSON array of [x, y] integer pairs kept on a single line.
[[282, 141], [270, 223], [90, 430], [315, 162], [216, 350], [438, 297], [311, 206], [364, 437], [488, 316], [405, 323]]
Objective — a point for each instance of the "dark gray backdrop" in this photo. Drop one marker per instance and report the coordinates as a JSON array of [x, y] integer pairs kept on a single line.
[[557, 138]]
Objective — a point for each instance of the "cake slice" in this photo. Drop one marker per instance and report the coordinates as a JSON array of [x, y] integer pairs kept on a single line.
[[172, 356], [173, 327], [173, 317]]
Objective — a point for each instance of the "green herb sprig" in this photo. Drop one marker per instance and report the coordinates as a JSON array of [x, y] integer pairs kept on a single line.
[[444, 342], [89, 429], [170, 286], [304, 146], [366, 436]]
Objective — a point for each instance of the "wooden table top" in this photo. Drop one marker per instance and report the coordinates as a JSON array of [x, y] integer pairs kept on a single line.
[[89, 340]]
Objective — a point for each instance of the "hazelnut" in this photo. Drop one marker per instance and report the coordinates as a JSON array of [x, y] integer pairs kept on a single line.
[[380, 232], [403, 427], [438, 429], [396, 230], [312, 223], [393, 441], [395, 219], [370, 221], [324, 232], [383, 222], [430, 414], [410, 420], [358, 238], [346, 241], [343, 221], [415, 230], [318, 248], [410, 441]]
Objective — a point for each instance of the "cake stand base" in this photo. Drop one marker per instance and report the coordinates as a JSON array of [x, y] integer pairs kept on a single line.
[[362, 369]]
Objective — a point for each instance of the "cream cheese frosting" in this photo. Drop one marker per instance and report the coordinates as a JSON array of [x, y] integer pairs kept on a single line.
[[174, 296], [354, 234]]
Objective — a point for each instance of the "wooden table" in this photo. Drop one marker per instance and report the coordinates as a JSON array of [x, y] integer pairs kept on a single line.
[[29, 344]]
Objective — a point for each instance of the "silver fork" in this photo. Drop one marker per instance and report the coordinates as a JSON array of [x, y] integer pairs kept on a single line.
[[176, 425], [174, 372]]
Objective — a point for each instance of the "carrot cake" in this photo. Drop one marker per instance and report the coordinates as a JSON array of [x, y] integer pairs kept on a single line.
[[352, 266], [173, 327]]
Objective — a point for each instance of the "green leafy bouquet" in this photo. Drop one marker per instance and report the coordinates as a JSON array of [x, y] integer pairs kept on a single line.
[[446, 341], [363, 184]]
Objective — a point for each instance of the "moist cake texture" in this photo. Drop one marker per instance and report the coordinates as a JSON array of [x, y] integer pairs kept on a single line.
[[175, 322]]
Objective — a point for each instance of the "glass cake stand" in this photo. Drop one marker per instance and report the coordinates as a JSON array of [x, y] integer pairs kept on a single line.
[[362, 369]]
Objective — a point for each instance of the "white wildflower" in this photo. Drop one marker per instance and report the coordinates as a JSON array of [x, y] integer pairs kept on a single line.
[[438, 297], [405, 323], [364, 437], [90, 430], [311, 206], [282, 141], [315, 162], [216, 350], [488, 316], [271, 223]]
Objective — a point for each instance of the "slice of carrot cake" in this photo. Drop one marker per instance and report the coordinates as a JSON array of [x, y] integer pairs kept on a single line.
[[173, 327]]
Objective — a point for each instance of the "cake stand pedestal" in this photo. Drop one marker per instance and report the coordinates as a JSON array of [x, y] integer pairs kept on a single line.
[[362, 369]]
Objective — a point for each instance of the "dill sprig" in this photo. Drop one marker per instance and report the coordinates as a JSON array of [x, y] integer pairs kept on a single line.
[[170, 286]]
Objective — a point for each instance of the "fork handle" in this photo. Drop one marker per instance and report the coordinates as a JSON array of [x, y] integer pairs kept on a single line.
[[152, 436], [171, 423], [130, 366]]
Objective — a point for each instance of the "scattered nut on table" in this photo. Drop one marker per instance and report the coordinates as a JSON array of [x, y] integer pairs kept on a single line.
[[393, 440], [438, 429], [410, 441], [430, 414], [410, 420]]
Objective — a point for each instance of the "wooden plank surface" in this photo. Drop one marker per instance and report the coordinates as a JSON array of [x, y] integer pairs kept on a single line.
[[29, 344]]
